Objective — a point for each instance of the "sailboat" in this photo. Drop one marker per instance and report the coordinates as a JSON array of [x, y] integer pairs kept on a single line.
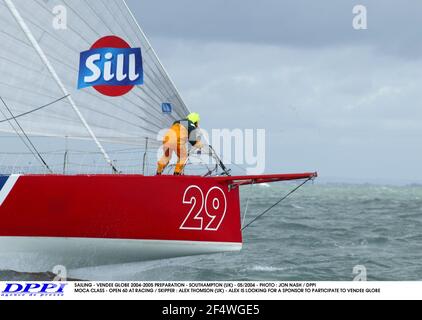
[[85, 71]]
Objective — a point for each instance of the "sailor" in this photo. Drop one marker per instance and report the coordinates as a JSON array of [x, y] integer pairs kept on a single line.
[[176, 139]]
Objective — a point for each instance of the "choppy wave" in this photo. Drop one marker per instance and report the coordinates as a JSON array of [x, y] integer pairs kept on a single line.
[[266, 268]]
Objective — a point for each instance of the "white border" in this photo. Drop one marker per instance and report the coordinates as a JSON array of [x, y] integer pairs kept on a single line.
[[8, 186]]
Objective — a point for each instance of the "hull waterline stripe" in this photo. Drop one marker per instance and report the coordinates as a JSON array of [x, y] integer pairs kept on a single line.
[[86, 252], [8, 186]]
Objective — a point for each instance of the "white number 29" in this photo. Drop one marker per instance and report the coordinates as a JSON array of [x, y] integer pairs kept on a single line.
[[213, 206]]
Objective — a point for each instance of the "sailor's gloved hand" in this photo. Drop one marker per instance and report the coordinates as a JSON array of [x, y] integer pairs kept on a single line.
[[199, 152]]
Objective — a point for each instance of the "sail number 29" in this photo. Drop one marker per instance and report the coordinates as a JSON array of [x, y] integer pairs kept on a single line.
[[207, 211]]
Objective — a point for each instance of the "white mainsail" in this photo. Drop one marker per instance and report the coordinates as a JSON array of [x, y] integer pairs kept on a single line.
[[26, 83]]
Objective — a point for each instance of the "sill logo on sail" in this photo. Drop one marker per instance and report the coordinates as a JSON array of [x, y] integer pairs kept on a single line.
[[111, 66]]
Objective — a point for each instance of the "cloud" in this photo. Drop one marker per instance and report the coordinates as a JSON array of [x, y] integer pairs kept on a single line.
[[332, 99], [393, 26], [344, 111]]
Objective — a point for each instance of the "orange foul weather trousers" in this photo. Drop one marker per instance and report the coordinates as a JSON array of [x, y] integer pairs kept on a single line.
[[174, 142]]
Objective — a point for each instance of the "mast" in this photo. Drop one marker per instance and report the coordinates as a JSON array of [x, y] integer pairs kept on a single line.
[[13, 10]]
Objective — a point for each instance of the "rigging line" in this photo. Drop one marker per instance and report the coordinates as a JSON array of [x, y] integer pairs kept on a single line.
[[152, 78], [142, 117], [63, 118], [105, 24], [150, 94], [116, 118], [24, 142], [82, 19], [169, 91], [146, 62], [154, 53], [121, 120], [219, 161], [26, 90], [146, 86], [56, 115], [13, 38], [73, 69], [163, 95], [21, 22], [278, 202], [166, 86], [167, 98], [34, 110], [162, 79], [52, 116], [38, 26], [153, 106], [247, 205], [73, 121], [27, 138], [163, 74], [60, 117]]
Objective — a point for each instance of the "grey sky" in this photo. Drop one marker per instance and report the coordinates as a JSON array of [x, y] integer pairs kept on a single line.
[[333, 99]]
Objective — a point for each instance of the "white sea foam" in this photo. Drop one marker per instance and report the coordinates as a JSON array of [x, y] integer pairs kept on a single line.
[[266, 268]]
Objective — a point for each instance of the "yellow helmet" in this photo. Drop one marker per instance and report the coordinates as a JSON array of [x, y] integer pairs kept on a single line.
[[194, 117]]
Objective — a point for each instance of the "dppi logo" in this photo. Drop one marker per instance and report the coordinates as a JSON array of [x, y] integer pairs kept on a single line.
[[111, 66], [13, 289]]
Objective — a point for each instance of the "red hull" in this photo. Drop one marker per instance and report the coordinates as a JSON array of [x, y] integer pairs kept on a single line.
[[106, 219], [122, 207]]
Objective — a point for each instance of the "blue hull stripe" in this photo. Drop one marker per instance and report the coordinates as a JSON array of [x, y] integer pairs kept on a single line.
[[3, 180]]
